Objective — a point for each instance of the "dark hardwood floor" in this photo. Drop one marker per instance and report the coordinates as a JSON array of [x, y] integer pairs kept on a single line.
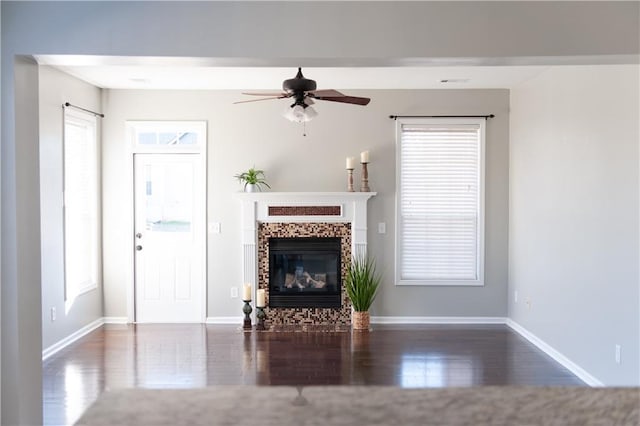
[[191, 356]]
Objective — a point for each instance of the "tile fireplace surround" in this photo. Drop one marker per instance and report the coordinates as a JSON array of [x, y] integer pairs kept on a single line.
[[302, 214]]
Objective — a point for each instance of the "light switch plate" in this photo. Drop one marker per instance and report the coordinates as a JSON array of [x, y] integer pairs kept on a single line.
[[382, 228], [214, 227]]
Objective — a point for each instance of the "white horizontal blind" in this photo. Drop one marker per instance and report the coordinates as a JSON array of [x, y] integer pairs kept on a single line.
[[439, 208], [80, 203]]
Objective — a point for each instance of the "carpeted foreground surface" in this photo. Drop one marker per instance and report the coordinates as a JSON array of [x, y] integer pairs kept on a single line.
[[367, 405]]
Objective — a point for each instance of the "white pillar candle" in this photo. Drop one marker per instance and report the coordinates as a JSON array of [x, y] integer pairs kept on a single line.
[[246, 293], [351, 162], [261, 301], [364, 157]]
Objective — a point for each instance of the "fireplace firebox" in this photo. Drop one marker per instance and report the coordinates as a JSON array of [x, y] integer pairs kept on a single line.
[[304, 273]]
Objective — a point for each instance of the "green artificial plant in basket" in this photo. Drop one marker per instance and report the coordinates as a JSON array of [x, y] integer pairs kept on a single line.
[[361, 284]]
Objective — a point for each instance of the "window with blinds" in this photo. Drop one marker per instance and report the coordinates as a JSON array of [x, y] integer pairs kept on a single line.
[[440, 184], [81, 244]]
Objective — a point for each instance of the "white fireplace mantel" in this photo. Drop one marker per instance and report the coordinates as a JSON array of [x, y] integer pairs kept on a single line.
[[257, 207]]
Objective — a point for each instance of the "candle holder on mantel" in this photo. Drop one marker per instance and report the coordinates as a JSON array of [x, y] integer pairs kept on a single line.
[[350, 180], [262, 316], [364, 186], [247, 311]]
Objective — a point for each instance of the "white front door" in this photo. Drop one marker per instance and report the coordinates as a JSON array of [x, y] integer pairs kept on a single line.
[[169, 238]]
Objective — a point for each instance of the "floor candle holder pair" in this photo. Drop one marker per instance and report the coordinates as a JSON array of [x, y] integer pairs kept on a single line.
[[364, 186], [261, 314]]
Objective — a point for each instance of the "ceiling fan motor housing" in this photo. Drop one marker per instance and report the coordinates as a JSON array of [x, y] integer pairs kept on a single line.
[[298, 84]]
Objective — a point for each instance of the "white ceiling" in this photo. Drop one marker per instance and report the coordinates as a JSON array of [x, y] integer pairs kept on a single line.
[[131, 74]]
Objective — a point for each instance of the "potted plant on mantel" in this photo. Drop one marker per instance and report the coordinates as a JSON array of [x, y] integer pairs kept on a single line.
[[252, 179], [362, 288]]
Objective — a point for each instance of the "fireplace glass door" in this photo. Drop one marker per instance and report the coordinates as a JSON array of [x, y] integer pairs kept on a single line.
[[304, 273]]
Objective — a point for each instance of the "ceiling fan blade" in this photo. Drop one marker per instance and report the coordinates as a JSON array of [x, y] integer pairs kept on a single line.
[[284, 95], [261, 99], [345, 99], [328, 92]]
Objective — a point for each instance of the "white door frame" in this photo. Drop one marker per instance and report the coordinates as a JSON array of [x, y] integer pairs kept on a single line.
[[129, 237]]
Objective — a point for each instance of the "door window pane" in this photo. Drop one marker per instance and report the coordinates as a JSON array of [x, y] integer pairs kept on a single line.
[[168, 134], [147, 138], [168, 138], [169, 197]]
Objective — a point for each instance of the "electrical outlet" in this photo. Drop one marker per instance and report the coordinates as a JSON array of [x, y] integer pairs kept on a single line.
[[382, 228], [618, 353], [234, 292], [515, 296], [53, 313], [214, 227]]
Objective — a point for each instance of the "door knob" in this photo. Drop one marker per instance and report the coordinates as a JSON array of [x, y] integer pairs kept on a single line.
[[138, 248], [139, 235]]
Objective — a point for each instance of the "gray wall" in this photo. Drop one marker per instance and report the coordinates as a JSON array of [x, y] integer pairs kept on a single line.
[[573, 248], [243, 135], [57, 88], [353, 33]]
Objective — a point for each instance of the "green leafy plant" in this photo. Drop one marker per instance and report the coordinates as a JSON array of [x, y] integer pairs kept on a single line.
[[362, 283], [252, 176]]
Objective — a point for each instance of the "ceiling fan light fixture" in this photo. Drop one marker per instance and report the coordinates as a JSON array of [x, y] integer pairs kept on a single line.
[[300, 113], [310, 113]]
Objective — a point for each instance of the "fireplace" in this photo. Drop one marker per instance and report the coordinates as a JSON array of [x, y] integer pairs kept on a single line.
[[305, 272], [268, 216]]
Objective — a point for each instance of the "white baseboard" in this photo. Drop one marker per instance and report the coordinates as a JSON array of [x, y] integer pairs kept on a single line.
[[63, 343], [46, 353], [437, 320], [116, 320], [557, 356], [224, 320]]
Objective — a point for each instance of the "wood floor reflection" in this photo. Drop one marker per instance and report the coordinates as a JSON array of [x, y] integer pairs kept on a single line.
[[190, 356]]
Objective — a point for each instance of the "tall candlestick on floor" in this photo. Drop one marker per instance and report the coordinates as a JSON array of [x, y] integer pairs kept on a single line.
[[261, 318], [261, 302], [364, 187], [247, 311]]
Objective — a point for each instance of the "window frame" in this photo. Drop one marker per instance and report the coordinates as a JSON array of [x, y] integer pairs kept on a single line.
[[480, 281], [90, 121]]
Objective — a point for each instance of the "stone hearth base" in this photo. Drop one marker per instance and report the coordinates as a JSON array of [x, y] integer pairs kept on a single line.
[[314, 328]]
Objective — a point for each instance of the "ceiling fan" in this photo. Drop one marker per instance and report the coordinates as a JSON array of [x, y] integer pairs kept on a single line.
[[303, 91]]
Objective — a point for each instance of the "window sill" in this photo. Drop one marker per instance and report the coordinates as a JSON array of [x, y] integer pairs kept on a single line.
[[72, 299]]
